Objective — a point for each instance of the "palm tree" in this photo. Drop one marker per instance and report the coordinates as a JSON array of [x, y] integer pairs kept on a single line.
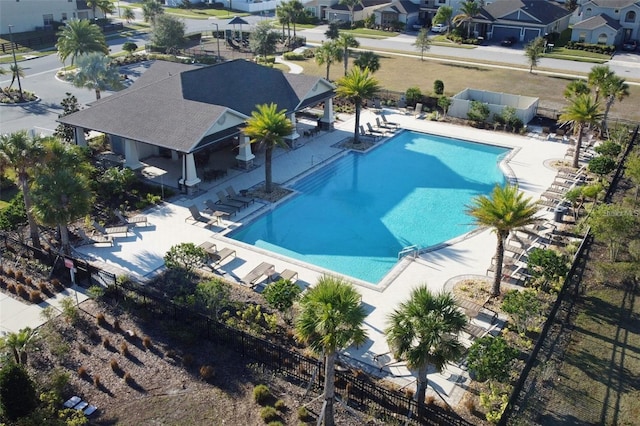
[[331, 318], [424, 331], [297, 10], [327, 54], [615, 89], [505, 210], [468, 10], [533, 50], [79, 37], [443, 16], [105, 6], [582, 111], [344, 42], [151, 9], [357, 86], [369, 60], [24, 153], [19, 344], [96, 73], [598, 77], [284, 15], [16, 72], [128, 15], [62, 188], [268, 126], [575, 88]]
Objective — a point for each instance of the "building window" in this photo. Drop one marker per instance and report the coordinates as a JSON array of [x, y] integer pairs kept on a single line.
[[630, 17], [47, 19], [582, 37], [602, 38], [587, 13], [64, 16]]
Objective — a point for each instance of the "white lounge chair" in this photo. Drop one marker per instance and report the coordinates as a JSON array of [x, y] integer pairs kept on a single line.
[[258, 272], [111, 229]]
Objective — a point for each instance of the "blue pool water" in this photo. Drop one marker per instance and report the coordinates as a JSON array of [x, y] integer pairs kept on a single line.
[[354, 215]]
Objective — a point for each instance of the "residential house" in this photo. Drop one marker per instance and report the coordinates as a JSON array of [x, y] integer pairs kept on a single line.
[[522, 20], [610, 22], [34, 15], [182, 110]]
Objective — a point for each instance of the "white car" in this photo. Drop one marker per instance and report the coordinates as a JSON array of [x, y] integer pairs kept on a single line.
[[439, 28]]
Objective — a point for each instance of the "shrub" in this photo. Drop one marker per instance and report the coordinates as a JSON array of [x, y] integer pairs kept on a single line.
[[3, 283], [268, 414], [17, 392], [11, 288], [491, 358], [128, 379], [82, 372], [96, 381], [20, 276], [293, 56], [100, 320], [57, 284], [275, 423], [280, 405], [10, 273], [430, 399], [116, 325], [106, 342], [82, 348], [35, 296], [207, 372], [28, 281], [413, 95], [438, 87], [114, 365], [146, 342], [124, 349], [187, 360], [261, 394], [43, 287], [22, 291], [303, 414]]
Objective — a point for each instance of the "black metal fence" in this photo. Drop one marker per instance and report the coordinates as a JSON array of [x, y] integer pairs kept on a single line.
[[85, 274], [525, 402], [357, 390], [31, 42]]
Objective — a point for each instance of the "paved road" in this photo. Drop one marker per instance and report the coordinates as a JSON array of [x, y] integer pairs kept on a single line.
[[40, 72]]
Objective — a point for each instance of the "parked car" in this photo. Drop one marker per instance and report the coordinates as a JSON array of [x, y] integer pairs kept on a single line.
[[440, 28], [509, 41], [630, 45]]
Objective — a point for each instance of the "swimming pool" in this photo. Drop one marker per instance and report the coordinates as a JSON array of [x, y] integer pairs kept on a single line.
[[354, 215]]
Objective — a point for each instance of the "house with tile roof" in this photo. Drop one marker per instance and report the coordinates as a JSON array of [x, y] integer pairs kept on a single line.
[[610, 22], [522, 20], [185, 109]]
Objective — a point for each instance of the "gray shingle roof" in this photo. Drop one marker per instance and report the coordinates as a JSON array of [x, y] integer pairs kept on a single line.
[[615, 4], [596, 22], [541, 12], [174, 105]]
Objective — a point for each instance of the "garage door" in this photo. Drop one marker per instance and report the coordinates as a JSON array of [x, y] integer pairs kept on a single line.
[[531, 33], [501, 33]]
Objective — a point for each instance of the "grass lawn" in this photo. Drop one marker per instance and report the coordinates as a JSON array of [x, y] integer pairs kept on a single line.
[[577, 55], [599, 381], [397, 73]]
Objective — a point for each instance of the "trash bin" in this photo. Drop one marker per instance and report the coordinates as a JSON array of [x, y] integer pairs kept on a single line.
[[558, 213]]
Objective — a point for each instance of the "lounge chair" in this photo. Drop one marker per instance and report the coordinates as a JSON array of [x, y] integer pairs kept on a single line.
[[383, 126], [111, 229], [373, 131], [213, 207], [258, 272], [417, 113], [389, 123], [237, 197], [131, 221], [224, 200], [198, 217], [474, 331], [95, 239], [365, 134], [288, 275], [209, 247], [219, 256], [72, 402]]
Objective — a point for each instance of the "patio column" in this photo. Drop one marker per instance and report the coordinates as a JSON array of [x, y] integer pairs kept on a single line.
[[294, 135], [79, 135], [245, 156], [189, 173], [326, 121], [131, 158]]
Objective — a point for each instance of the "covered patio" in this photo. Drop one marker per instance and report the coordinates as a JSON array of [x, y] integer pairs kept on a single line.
[[190, 118]]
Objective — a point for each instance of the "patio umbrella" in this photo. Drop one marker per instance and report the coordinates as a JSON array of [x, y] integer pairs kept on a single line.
[[237, 21]]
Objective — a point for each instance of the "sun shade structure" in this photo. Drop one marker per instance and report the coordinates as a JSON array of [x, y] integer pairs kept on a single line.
[[186, 109]]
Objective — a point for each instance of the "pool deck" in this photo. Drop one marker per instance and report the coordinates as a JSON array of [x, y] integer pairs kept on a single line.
[[141, 253]]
